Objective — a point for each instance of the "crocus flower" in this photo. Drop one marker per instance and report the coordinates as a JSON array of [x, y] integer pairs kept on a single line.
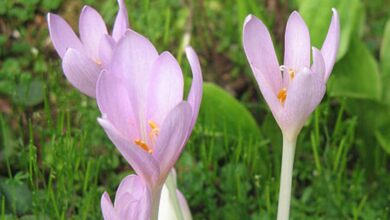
[[84, 58], [133, 202], [140, 96], [294, 89]]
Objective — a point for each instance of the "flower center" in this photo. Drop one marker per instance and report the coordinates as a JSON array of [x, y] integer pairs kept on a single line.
[[154, 132], [98, 62], [282, 95]]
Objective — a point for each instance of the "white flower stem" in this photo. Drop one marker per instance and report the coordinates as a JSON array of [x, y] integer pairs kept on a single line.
[[286, 178]]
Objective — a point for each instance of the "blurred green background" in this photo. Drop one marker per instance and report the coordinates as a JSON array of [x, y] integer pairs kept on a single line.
[[55, 161]]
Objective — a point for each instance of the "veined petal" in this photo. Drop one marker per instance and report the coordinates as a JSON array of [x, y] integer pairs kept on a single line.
[[166, 87], [106, 47], [331, 44], [132, 61], [92, 29], [318, 66], [173, 137], [296, 43], [108, 210], [267, 91], [304, 94], [141, 161], [114, 102], [195, 95], [132, 199], [261, 53], [121, 22], [62, 35], [81, 71]]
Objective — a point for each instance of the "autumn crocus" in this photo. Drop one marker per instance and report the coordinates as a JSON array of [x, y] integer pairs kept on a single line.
[[140, 96], [133, 201], [84, 58], [292, 90]]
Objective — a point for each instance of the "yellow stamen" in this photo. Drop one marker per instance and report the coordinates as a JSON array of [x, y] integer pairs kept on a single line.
[[291, 72], [282, 95], [143, 145], [98, 62], [155, 129]]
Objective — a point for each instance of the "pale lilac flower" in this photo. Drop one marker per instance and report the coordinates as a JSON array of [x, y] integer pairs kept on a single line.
[[143, 112], [132, 201], [294, 89], [84, 58]]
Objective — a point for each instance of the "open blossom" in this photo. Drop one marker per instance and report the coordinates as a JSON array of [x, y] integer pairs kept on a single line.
[[84, 58], [140, 96], [294, 89]]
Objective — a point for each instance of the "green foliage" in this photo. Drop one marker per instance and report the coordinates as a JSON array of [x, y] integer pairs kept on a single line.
[[356, 75]]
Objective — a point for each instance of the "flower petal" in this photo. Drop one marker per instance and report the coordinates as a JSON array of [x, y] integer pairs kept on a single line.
[[121, 22], [165, 89], [108, 210], [81, 71], [141, 161], [297, 43], [92, 29], [195, 95], [132, 199], [304, 94], [114, 102], [331, 44], [318, 66], [106, 47], [173, 137], [261, 53], [132, 61], [62, 35]]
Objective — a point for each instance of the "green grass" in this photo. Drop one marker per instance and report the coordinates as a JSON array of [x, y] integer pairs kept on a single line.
[[56, 161]]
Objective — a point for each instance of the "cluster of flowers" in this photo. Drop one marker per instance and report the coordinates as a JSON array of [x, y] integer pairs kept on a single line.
[[139, 93]]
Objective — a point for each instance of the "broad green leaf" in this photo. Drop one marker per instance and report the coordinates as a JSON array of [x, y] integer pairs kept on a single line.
[[385, 63], [356, 75], [385, 50], [318, 13], [17, 196], [220, 112], [29, 93]]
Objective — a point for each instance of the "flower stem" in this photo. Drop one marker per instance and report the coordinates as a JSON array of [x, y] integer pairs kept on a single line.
[[286, 177], [156, 195]]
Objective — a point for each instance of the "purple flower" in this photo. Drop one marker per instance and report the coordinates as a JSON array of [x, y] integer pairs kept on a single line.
[[294, 89], [84, 58], [143, 112]]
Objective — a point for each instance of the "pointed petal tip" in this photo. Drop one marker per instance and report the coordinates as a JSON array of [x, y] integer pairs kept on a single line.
[[248, 19]]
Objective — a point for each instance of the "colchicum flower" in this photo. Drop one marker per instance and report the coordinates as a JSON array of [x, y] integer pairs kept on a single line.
[[292, 90], [84, 58], [133, 202], [140, 96]]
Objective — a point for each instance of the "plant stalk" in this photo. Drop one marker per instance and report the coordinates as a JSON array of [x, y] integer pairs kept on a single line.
[[286, 178]]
